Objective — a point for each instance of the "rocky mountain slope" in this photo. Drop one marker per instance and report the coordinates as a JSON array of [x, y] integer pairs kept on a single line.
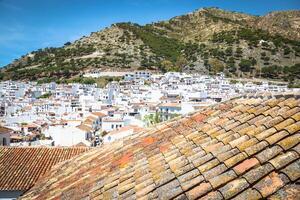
[[208, 40]]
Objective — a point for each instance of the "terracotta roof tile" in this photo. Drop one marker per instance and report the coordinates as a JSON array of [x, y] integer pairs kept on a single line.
[[207, 166], [296, 117], [246, 118], [284, 159], [271, 184], [272, 112], [245, 165], [265, 134], [245, 148], [222, 178], [290, 112], [293, 128], [284, 124], [246, 144], [20, 167], [214, 171], [212, 196], [235, 159], [234, 187], [292, 170], [273, 122], [276, 137], [268, 154], [297, 148], [256, 148], [249, 194], [291, 191], [258, 172], [199, 191], [256, 131], [228, 154], [290, 141], [256, 119], [262, 121]]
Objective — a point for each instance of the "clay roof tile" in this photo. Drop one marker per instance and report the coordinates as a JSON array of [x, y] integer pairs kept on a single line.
[[230, 150]]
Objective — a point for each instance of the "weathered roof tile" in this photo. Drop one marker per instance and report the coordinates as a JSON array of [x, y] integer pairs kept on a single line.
[[207, 166], [268, 154], [220, 152], [258, 172], [249, 194], [216, 195], [214, 171], [273, 122], [169, 190], [265, 134], [293, 128], [238, 141], [256, 148], [284, 159], [222, 178], [297, 148], [292, 170], [270, 184], [246, 144], [234, 187], [284, 124], [291, 191], [228, 154], [235, 159], [290, 141], [199, 191], [276, 137]]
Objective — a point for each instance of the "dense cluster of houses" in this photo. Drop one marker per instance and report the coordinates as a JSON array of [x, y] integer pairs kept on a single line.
[[76, 114]]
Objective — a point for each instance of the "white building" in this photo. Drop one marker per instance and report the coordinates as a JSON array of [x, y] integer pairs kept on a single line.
[[5, 136], [109, 124]]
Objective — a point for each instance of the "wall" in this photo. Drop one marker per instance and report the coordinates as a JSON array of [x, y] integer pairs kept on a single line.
[[10, 194], [7, 137]]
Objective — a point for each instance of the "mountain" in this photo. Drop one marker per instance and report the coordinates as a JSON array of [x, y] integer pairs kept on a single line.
[[209, 40]]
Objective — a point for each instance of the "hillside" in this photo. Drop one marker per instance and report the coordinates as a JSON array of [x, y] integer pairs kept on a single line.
[[208, 40]]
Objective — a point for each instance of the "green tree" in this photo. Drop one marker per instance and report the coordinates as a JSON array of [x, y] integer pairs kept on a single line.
[[245, 65], [152, 119]]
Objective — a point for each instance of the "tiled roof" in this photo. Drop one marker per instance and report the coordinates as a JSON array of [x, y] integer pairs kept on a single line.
[[84, 127], [20, 167], [99, 114], [245, 148], [5, 130]]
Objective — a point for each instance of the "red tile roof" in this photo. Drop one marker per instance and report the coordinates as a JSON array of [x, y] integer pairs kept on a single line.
[[99, 114], [224, 151], [20, 167], [5, 130]]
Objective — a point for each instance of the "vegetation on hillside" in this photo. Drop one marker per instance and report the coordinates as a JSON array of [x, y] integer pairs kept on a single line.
[[237, 47]]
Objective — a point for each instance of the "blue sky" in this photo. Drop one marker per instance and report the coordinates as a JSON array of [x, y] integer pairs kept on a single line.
[[27, 25]]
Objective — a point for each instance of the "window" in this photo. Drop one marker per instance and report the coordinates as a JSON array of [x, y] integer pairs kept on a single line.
[[112, 126], [4, 142]]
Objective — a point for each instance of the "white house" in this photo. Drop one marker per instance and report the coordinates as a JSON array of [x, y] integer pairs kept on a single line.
[[5, 136], [69, 134], [121, 133], [109, 124], [168, 110]]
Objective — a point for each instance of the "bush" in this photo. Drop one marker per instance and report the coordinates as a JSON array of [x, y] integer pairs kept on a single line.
[[245, 65]]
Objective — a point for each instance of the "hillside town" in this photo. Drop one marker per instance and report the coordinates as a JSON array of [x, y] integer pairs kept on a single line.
[[76, 114]]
